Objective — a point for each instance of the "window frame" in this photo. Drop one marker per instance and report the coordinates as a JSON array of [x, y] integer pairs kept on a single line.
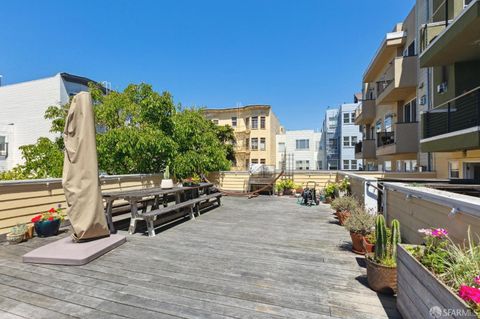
[[450, 170], [263, 122], [298, 143], [262, 146], [347, 166], [254, 144], [254, 120], [234, 121]]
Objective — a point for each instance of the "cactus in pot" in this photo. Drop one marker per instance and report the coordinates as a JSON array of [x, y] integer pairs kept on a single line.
[[166, 181]]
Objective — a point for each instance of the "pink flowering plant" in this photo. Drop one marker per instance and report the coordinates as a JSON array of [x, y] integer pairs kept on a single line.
[[458, 266]]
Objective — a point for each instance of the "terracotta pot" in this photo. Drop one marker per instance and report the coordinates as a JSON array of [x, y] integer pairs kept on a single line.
[[343, 216], [357, 243], [287, 192], [381, 278], [367, 246], [328, 200]]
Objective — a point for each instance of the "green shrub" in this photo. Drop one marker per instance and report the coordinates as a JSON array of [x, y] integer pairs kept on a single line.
[[330, 190], [285, 184], [360, 222]]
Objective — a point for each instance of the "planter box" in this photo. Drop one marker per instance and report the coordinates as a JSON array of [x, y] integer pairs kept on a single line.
[[422, 295]]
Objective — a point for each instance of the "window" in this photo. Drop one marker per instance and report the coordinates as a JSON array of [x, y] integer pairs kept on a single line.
[[453, 169], [234, 121], [262, 144], [254, 144], [3, 146], [378, 126], [354, 140], [303, 165], [346, 141], [388, 123], [262, 161], [346, 118], [281, 147], [254, 122], [410, 111], [247, 122], [255, 161], [262, 122], [215, 122], [332, 143], [353, 165], [332, 118], [346, 164], [387, 166], [302, 144], [352, 117]]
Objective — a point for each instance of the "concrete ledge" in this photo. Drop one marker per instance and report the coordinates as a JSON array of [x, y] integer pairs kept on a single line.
[[67, 252]]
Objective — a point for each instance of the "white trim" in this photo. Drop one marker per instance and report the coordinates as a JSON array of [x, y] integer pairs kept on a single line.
[[451, 134], [467, 204]]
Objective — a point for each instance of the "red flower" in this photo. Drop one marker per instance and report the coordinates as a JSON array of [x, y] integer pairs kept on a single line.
[[468, 293], [52, 210], [36, 218], [50, 218]]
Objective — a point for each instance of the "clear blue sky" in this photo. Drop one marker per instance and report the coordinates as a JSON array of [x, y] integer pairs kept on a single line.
[[298, 56]]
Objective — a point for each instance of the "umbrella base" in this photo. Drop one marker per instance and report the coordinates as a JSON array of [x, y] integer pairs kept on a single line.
[[66, 252]]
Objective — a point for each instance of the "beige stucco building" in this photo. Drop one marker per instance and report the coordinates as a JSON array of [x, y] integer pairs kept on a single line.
[[388, 114], [256, 127]]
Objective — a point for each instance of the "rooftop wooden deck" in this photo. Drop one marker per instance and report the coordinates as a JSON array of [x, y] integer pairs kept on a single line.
[[260, 258]]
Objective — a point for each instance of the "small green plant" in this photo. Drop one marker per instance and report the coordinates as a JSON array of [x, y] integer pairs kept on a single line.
[[345, 203], [330, 190], [344, 185], [166, 173], [360, 222], [385, 247], [19, 229], [285, 184]]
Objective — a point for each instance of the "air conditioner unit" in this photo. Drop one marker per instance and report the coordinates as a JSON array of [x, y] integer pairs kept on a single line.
[[442, 87]]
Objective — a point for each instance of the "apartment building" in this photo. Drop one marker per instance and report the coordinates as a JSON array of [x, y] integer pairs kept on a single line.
[[349, 135], [300, 150], [449, 33], [388, 115], [330, 140], [22, 110], [256, 128]]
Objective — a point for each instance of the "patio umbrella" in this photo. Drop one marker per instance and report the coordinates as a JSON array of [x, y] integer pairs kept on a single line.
[[80, 181]]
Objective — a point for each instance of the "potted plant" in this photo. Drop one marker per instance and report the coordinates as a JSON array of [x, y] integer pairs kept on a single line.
[[191, 181], [382, 264], [47, 224], [329, 192], [166, 182], [17, 234], [279, 189], [449, 276], [359, 224], [285, 187], [343, 187], [368, 242], [343, 207]]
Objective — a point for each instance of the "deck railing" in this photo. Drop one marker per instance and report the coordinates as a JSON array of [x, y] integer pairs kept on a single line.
[[460, 113], [385, 138]]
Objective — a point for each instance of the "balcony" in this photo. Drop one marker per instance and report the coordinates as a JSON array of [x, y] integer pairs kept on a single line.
[[453, 125], [403, 140], [241, 149], [365, 149], [366, 113], [399, 80], [448, 41]]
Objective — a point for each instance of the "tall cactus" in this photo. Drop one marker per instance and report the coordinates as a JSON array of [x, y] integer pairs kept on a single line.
[[395, 239], [166, 173], [381, 238]]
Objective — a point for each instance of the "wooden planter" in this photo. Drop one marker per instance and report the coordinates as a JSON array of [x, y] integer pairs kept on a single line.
[[422, 295]]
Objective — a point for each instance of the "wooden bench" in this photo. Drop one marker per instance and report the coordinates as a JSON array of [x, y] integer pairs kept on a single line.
[[188, 206]]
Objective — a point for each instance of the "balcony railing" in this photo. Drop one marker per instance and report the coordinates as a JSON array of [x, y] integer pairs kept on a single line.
[[383, 85], [4, 150], [385, 138], [460, 113]]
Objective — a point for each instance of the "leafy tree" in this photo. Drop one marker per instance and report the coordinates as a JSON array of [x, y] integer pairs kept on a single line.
[[199, 148], [138, 131]]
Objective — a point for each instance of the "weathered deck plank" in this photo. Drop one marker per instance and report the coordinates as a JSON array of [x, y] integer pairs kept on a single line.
[[260, 258]]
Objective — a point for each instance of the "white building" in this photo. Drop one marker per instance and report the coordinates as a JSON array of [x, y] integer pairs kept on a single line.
[[22, 110], [303, 148], [330, 140], [349, 135]]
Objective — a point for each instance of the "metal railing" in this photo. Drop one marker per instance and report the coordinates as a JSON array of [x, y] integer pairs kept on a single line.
[[460, 113], [385, 138]]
